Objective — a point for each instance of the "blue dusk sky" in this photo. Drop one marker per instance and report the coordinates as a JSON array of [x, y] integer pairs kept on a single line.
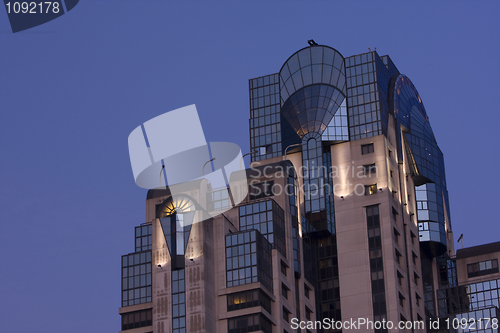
[[73, 89]]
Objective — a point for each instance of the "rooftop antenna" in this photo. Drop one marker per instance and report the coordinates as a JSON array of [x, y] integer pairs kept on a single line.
[[162, 167], [311, 42], [461, 238], [369, 50]]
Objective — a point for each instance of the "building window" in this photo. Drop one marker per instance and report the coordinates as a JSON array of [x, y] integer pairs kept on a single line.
[[482, 268], [376, 262], [284, 291], [306, 290], [268, 218], [249, 323], [367, 149], [416, 278], [396, 236], [218, 200], [414, 257], [400, 278], [417, 298], [143, 238], [136, 278], [389, 151], [264, 150], [401, 300], [374, 240], [398, 257], [308, 313], [394, 214], [412, 237], [137, 319], [286, 315], [178, 302], [283, 268], [248, 259], [248, 299], [370, 189], [369, 169], [392, 173]]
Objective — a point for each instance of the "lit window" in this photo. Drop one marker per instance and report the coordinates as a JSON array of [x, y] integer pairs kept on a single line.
[[248, 299], [370, 189]]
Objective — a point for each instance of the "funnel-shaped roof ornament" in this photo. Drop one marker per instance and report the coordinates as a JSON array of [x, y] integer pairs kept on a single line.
[[312, 88]]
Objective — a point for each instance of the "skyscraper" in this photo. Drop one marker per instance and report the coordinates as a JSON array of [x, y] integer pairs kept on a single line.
[[346, 216]]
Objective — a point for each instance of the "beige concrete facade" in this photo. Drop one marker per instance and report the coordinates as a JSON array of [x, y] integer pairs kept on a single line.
[[205, 257]]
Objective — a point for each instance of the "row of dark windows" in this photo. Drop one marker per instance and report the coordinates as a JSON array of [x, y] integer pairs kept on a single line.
[[482, 268], [249, 323], [137, 319]]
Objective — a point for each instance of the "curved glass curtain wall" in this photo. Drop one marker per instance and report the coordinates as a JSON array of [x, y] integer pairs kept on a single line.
[[337, 129], [312, 88], [426, 163]]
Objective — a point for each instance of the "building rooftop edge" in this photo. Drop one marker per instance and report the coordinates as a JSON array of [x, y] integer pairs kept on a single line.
[[478, 250]]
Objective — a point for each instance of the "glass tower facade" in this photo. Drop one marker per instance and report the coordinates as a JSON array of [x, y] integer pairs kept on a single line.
[[297, 247], [320, 99]]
